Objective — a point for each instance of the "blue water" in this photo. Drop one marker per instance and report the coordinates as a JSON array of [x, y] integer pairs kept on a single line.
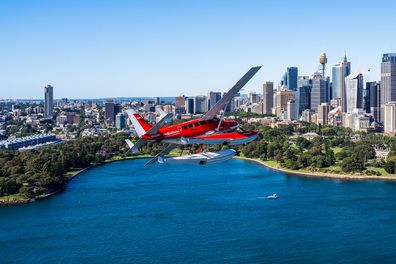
[[126, 213]]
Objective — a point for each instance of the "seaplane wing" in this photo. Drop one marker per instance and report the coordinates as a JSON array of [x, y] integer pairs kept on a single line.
[[231, 138], [220, 105]]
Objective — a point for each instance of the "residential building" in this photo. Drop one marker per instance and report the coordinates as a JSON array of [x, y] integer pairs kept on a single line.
[[48, 101]]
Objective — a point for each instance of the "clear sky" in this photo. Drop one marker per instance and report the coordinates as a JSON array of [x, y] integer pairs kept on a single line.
[[92, 49]]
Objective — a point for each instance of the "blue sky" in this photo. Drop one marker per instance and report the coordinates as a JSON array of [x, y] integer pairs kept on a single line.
[[92, 49]]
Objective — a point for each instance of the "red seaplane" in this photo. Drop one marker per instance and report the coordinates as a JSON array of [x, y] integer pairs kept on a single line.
[[211, 129]]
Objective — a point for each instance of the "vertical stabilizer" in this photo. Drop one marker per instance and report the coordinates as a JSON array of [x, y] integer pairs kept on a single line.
[[141, 126]]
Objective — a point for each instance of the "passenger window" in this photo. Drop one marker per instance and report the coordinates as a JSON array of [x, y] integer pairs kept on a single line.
[[202, 122], [196, 124], [184, 127], [190, 125]]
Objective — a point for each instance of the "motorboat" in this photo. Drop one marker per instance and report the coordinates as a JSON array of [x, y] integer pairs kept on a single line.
[[272, 196], [200, 158]]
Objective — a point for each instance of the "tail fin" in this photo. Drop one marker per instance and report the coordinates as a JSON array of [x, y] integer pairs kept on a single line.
[[141, 126]]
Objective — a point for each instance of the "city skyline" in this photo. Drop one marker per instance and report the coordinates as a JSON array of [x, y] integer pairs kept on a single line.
[[155, 49]]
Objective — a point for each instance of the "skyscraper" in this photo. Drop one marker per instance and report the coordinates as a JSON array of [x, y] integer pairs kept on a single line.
[[111, 110], [120, 121], [200, 104], [180, 104], [281, 99], [388, 80], [253, 98], [319, 93], [303, 95], [214, 97], [374, 91], [230, 106], [390, 117], [354, 91], [268, 97], [292, 110], [323, 112], [291, 80], [190, 105], [340, 70], [49, 101]]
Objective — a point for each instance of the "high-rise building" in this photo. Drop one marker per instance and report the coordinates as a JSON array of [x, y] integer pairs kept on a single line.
[[319, 92], [291, 79], [303, 95], [366, 98], [292, 110], [111, 110], [388, 79], [190, 105], [354, 91], [253, 98], [117, 109], [230, 106], [213, 98], [180, 105], [268, 97], [323, 112], [120, 121], [48, 101], [180, 101], [341, 70], [306, 115], [281, 99], [200, 104], [284, 79], [390, 117], [373, 90]]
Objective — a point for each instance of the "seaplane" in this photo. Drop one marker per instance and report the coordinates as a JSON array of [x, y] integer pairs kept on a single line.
[[211, 129]]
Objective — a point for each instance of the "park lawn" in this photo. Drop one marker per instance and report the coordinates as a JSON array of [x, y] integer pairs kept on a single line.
[[12, 197], [382, 171], [272, 163], [336, 150]]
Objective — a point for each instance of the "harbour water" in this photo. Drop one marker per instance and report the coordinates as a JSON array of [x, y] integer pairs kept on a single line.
[[124, 212]]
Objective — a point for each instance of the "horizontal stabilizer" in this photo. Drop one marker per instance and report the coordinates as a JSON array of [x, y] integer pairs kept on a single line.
[[162, 153], [134, 148]]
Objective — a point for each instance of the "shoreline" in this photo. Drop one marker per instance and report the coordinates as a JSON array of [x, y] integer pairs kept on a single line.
[[321, 174], [277, 168], [71, 177]]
